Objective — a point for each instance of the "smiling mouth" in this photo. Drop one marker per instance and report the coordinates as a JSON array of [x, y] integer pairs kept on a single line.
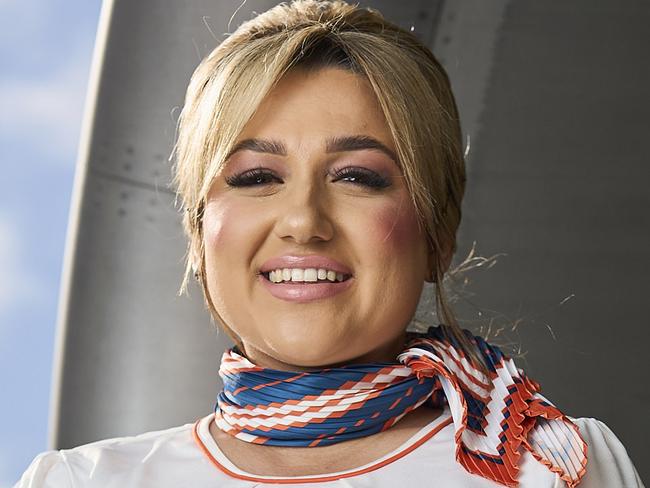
[[306, 279]]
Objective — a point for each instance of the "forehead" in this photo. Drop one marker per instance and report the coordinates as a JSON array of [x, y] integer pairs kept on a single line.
[[307, 107]]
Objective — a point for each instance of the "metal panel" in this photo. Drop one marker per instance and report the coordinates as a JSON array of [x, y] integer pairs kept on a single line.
[[558, 176]]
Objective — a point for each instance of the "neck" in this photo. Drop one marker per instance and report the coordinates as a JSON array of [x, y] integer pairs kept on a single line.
[[387, 353]]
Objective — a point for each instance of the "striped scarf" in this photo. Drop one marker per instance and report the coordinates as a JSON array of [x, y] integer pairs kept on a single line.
[[495, 417]]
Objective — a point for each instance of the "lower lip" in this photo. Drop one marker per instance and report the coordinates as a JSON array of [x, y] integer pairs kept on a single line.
[[304, 292]]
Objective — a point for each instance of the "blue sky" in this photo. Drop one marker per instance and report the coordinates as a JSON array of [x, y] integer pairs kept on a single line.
[[45, 54]]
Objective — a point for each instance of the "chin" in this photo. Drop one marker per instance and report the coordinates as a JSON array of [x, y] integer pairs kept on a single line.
[[308, 352]]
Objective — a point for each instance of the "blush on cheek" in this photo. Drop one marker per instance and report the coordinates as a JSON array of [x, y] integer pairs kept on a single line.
[[395, 226], [226, 225], [233, 225], [216, 223]]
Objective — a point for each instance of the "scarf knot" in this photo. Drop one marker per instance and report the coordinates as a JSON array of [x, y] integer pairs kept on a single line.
[[495, 416], [422, 366]]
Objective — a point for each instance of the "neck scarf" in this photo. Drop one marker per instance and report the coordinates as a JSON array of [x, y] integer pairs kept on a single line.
[[495, 417]]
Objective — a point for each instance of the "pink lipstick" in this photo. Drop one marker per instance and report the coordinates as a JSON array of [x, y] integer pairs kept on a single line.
[[305, 291]]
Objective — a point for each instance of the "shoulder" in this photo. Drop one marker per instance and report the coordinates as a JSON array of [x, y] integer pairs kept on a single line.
[[103, 459], [48, 469], [608, 463]]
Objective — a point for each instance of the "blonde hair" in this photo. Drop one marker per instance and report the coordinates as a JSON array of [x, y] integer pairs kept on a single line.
[[412, 88]]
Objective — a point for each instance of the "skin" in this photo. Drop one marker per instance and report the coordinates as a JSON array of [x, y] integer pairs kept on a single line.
[[309, 211]]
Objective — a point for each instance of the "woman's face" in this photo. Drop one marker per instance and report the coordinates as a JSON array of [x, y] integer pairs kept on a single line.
[[313, 185]]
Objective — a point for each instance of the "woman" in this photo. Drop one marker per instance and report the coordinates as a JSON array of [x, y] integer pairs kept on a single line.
[[319, 162]]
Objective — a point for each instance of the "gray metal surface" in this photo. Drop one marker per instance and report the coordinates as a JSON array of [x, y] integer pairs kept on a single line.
[[555, 99], [558, 176]]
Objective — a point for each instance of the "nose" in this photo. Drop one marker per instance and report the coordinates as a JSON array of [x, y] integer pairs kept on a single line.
[[304, 216]]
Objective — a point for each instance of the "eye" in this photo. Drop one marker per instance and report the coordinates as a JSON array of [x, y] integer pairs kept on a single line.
[[253, 177], [361, 176]]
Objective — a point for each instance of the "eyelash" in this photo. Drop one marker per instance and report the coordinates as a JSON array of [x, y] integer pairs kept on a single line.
[[251, 177], [259, 176], [366, 177]]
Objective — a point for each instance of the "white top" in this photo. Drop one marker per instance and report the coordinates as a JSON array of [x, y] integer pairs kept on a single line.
[[188, 456]]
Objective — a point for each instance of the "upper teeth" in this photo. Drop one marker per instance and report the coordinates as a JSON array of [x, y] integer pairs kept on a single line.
[[307, 274]]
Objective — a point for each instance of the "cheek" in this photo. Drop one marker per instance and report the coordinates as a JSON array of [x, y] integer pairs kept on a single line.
[[214, 221], [227, 235], [218, 225], [227, 224], [229, 239], [394, 227]]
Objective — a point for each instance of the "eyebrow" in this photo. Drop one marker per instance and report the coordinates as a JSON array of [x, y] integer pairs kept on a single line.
[[335, 144]]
